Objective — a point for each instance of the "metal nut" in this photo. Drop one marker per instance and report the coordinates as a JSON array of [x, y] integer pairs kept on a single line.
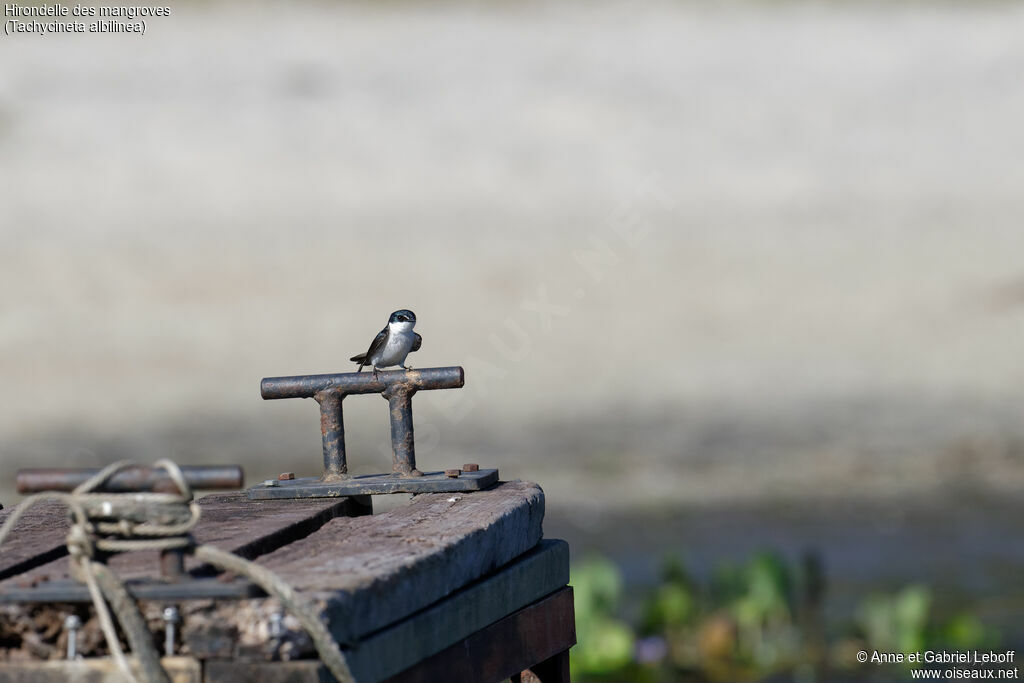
[[286, 476], [270, 482], [452, 474], [471, 467]]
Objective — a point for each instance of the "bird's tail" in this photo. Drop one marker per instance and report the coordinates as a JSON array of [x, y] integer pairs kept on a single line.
[[361, 359]]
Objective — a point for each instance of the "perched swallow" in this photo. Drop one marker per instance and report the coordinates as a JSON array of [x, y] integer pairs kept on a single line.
[[392, 344]]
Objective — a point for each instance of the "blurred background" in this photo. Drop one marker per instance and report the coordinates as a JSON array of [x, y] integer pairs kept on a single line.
[[741, 285]]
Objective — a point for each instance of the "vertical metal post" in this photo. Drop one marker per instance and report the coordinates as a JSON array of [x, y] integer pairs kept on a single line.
[[172, 564], [172, 617], [403, 445], [72, 623], [332, 428]]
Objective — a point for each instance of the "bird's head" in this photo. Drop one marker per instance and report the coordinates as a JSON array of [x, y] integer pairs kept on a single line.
[[403, 316]]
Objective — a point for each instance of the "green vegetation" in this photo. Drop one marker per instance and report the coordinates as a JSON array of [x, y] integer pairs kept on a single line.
[[762, 619]]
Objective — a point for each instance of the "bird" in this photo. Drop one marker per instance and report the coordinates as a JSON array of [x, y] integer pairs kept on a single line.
[[393, 344]]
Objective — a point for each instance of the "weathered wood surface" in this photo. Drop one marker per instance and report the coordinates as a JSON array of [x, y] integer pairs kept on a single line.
[[229, 521], [395, 588], [369, 572], [38, 538], [529, 637]]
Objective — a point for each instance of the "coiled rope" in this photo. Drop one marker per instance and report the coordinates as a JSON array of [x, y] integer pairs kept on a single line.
[[104, 523]]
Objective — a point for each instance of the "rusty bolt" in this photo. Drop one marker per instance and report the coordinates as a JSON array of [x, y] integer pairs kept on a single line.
[[471, 467], [285, 476], [172, 617], [452, 474]]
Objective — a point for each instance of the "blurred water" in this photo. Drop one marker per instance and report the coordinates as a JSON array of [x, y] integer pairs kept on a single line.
[[964, 547]]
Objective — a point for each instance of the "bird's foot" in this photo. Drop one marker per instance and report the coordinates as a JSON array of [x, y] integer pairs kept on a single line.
[[375, 371], [407, 367]]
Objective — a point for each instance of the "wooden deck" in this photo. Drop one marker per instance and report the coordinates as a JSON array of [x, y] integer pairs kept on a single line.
[[456, 584]]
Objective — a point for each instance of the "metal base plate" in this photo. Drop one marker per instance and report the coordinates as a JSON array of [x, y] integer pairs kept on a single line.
[[67, 590], [369, 484]]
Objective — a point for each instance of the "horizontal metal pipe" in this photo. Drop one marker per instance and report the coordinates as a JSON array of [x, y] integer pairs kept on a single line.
[[130, 478], [306, 386]]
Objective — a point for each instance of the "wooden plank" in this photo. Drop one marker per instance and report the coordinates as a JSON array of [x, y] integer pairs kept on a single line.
[[94, 670], [367, 573], [301, 671], [539, 573], [532, 579], [531, 638], [229, 521], [38, 538]]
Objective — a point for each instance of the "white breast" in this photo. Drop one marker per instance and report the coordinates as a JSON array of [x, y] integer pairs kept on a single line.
[[398, 346]]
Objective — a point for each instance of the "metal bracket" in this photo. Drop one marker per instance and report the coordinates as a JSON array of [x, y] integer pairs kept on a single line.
[[398, 388]]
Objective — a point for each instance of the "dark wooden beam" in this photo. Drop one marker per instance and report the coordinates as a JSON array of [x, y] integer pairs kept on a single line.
[[539, 573], [535, 638]]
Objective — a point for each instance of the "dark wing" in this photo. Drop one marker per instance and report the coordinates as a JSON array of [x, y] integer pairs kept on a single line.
[[417, 342], [377, 344]]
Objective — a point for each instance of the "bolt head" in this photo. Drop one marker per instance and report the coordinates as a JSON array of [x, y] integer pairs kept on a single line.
[[171, 614], [270, 482], [286, 476], [72, 622], [452, 474], [276, 625], [471, 467]]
